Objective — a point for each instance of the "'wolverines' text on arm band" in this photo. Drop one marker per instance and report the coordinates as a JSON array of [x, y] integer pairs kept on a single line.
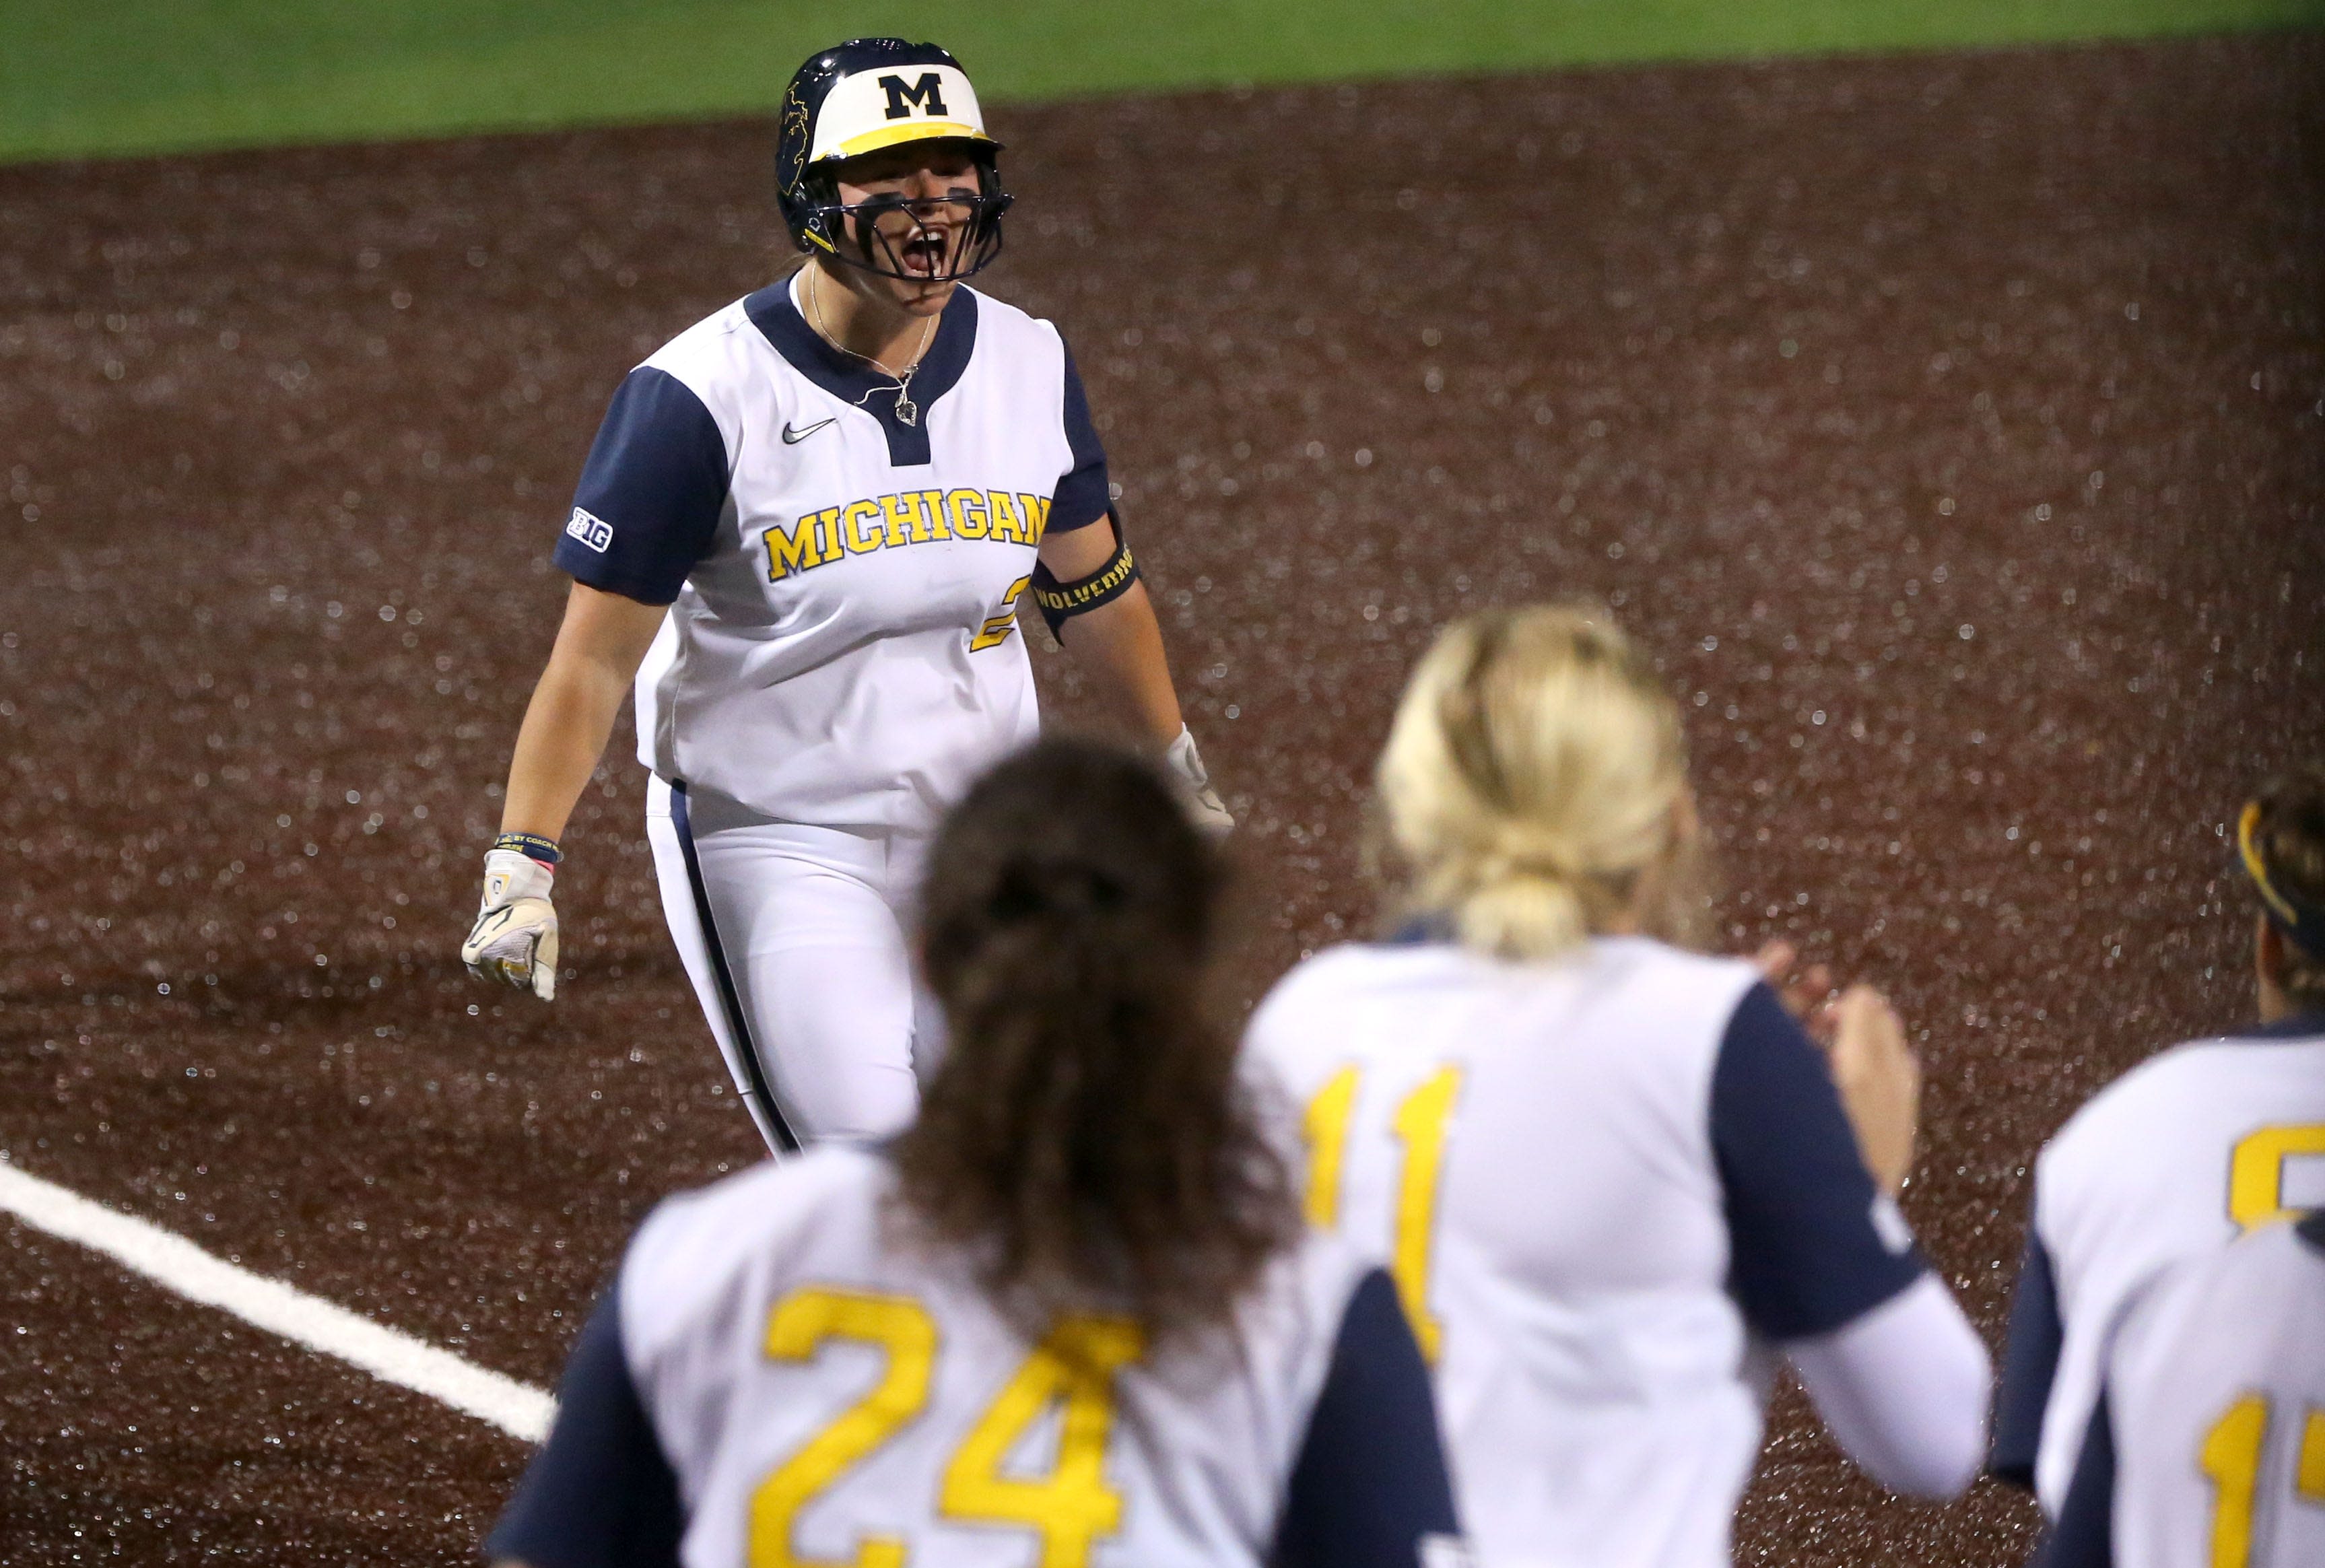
[[1060, 602]]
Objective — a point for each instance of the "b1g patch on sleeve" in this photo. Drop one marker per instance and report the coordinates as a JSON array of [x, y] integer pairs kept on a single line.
[[590, 529]]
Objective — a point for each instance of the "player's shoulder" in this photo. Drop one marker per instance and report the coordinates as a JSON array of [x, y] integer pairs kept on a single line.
[[715, 357], [1655, 968], [998, 315], [2195, 1079], [2272, 1274], [1660, 983], [1351, 973], [695, 1243], [1009, 332]]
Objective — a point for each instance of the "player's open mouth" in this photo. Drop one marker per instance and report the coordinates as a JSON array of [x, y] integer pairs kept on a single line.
[[924, 254]]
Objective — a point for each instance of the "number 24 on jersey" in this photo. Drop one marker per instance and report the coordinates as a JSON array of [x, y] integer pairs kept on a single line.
[[1071, 1507]]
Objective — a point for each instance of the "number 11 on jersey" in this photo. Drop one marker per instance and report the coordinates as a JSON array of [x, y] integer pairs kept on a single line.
[[1421, 1123]]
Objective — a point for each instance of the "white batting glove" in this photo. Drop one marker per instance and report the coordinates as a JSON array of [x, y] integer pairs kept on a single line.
[[1211, 817], [514, 939]]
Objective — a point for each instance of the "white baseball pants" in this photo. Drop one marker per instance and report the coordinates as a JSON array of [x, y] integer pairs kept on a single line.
[[798, 941]]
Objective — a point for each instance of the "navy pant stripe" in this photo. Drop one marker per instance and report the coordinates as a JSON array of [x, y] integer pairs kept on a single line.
[[737, 1020]]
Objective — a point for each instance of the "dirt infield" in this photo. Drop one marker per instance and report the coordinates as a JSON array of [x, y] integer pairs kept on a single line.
[[1952, 429]]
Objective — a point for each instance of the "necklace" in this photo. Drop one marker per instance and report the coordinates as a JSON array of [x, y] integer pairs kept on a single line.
[[908, 413]]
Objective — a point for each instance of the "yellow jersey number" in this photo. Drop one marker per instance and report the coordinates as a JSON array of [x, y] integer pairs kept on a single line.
[[1421, 1123], [2256, 1171], [2230, 1460], [1001, 622], [1072, 1507]]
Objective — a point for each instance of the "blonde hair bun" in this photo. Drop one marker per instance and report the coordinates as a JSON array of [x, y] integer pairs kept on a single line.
[[1534, 772]]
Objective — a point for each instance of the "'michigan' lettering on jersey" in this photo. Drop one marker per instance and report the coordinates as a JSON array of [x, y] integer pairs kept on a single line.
[[907, 517]]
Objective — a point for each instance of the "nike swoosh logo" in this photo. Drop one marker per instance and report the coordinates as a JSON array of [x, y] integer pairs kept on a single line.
[[792, 438]]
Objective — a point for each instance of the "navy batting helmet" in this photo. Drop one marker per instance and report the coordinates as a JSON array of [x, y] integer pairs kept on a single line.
[[861, 97]]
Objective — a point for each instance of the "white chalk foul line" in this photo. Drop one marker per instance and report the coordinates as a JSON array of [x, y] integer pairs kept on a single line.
[[171, 1260]]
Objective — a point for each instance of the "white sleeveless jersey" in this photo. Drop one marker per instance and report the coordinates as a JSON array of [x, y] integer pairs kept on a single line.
[[2172, 1160], [1592, 1179], [2214, 1405], [841, 649], [818, 1389]]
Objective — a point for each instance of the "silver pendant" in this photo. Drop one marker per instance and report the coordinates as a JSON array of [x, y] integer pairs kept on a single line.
[[908, 413]]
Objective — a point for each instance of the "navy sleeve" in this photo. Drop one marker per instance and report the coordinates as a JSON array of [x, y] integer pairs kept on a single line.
[[1083, 495], [1370, 1483], [2085, 1536], [1804, 1257], [2030, 1360], [648, 504], [600, 1493]]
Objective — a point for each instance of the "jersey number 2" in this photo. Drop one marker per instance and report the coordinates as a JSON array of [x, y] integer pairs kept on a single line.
[[1002, 621], [1071, 1507], [2231, 1461], [1419, 1124]]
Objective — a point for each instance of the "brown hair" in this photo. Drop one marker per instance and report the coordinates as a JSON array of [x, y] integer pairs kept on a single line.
[[2288, 835], [1088, 1139]]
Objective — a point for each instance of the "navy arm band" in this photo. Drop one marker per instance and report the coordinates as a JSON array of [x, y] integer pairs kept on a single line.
[[1060, 602]]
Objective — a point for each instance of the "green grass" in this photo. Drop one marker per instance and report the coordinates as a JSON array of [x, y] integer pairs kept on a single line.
[[107, 77]]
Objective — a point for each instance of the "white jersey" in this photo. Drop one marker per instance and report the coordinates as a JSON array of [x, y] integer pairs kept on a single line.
[[841, 649], [2210, 1440], [2172, 1160], [810, 1386], [1595, 1180]]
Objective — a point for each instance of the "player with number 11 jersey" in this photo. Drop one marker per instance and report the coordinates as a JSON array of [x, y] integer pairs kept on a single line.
[[1607, 1174]]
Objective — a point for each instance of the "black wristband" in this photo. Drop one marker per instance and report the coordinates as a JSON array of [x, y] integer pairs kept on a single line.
[[532, 845], [1060, 602]]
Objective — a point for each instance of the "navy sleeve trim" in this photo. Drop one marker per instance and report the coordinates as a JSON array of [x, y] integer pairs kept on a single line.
[[1084, 493], [2030, 1362], [2085, 1536], [600, 1493], [1370, 1483], [648, 506], [1805, 1257]]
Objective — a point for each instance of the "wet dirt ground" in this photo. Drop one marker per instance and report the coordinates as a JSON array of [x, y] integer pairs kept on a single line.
[[1948, 428]]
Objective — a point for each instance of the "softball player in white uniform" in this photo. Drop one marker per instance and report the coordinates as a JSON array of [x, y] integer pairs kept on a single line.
[[2206, 1446], [1070, 1318], [843, 487], [2174, 1159], [1603, 1171]]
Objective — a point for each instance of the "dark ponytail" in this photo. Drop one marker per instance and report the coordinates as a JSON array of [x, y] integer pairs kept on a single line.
[[1088, 1140]]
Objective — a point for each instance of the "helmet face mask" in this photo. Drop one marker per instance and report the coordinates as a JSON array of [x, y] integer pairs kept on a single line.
[[865, 96], [951, 236]]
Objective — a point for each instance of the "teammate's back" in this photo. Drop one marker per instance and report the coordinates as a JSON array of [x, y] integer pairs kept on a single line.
[[2176, 1158], [2172, 1161], [1562, 1250], [815, 1380], [1069, 1317], [1601, 1167], [2206, 1446]]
